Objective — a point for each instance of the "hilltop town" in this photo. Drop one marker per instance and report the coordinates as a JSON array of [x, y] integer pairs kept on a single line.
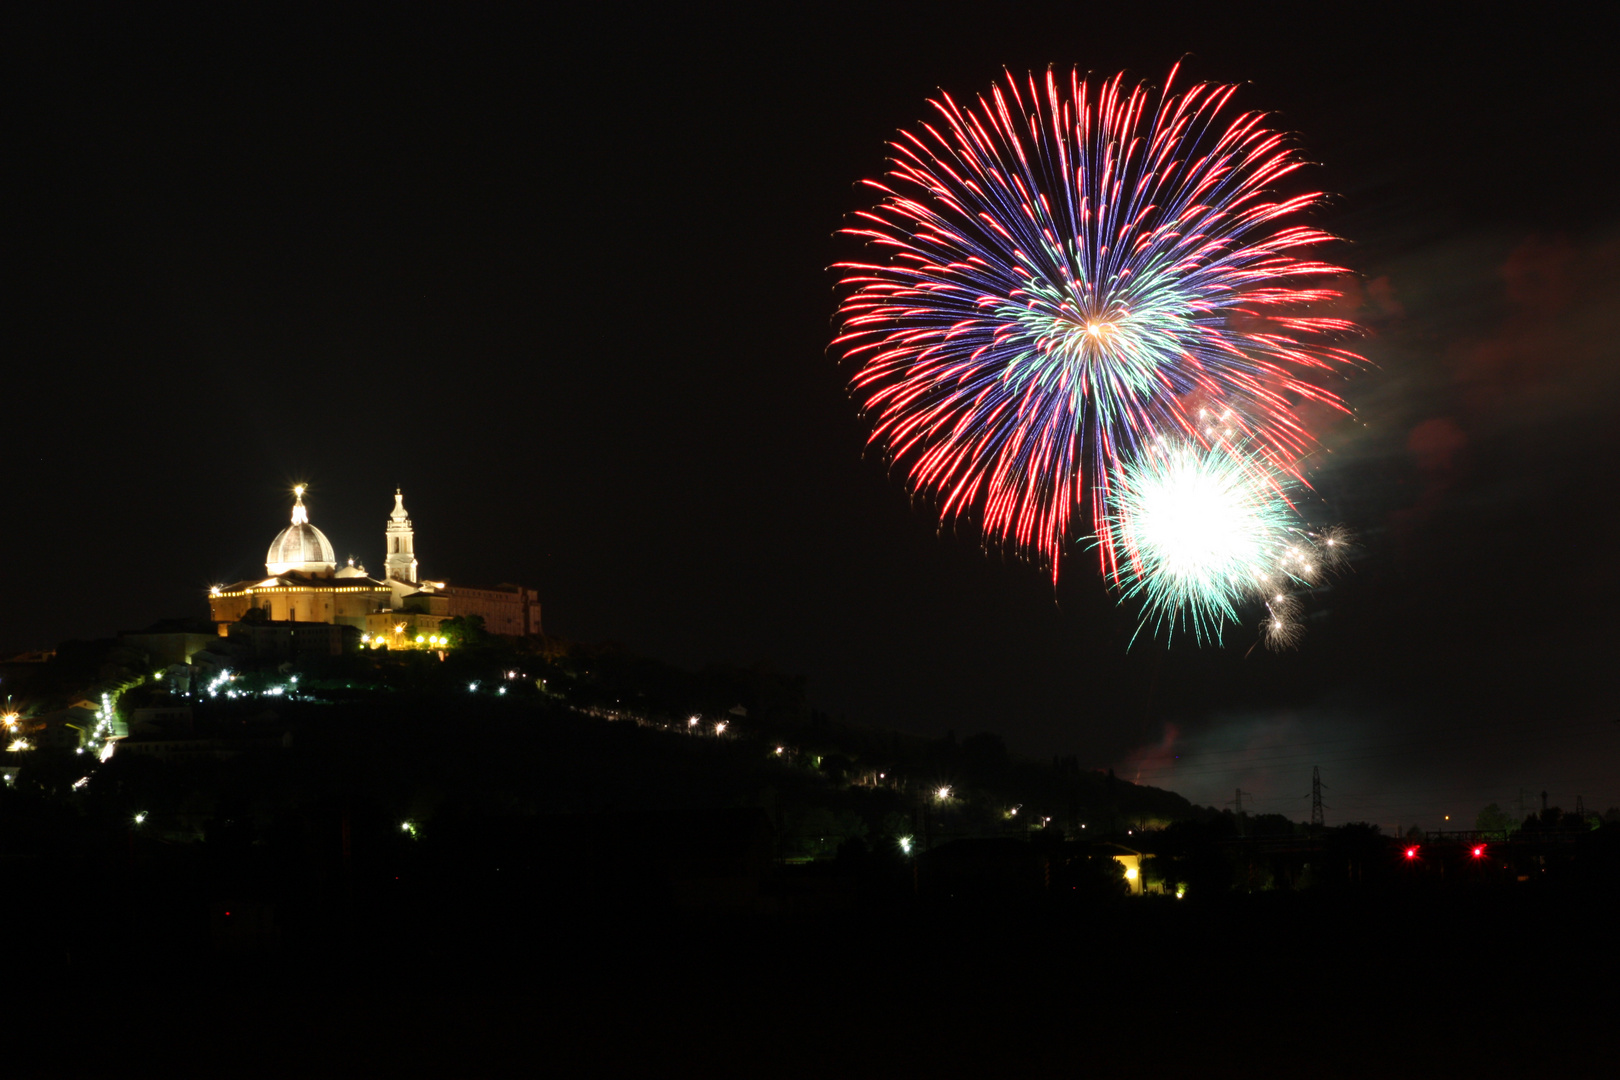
[[373, 790]]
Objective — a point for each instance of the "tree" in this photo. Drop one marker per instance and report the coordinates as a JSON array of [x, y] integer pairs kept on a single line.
[[464, 631], [1495, 823], [984, 759], [51, 771], [1091, 878]]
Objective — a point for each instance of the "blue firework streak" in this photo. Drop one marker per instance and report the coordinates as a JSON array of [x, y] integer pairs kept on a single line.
[[1070, 272]]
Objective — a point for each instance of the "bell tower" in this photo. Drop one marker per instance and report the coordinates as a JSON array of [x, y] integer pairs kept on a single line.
[[400, 563]]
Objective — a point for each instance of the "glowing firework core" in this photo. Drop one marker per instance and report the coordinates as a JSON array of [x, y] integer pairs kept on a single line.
[[1205, 529], [1202, 530]]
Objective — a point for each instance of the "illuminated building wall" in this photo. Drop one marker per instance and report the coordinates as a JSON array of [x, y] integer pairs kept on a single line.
[[300, 598], [505, 609]]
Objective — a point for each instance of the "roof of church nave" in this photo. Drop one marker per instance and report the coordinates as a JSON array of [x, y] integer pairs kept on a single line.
[[292, 579]]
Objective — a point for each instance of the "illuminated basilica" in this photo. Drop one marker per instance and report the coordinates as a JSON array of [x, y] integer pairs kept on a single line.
[[400, 610]]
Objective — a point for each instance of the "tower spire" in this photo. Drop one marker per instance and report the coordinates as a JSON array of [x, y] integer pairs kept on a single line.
[[300, 516], [400, 562]]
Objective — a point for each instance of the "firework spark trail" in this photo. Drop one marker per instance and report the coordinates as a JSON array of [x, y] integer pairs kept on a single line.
[[1071, 273]]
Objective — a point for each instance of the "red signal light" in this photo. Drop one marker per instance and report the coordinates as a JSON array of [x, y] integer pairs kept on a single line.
[[1411, 852], [1479, 851]]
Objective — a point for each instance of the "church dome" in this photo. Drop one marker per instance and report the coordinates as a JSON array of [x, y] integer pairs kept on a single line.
[[300, 547]]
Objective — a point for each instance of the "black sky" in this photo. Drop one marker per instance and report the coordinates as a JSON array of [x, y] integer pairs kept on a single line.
[[562, 276]]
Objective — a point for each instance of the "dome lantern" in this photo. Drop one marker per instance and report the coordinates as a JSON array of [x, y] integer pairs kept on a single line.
[[300, 547]]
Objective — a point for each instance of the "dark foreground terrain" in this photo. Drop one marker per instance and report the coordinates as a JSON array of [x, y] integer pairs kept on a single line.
[[1509, 981], [444, 883]]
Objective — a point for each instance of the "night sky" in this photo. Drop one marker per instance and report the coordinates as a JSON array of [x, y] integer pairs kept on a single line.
[[563, 278]]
